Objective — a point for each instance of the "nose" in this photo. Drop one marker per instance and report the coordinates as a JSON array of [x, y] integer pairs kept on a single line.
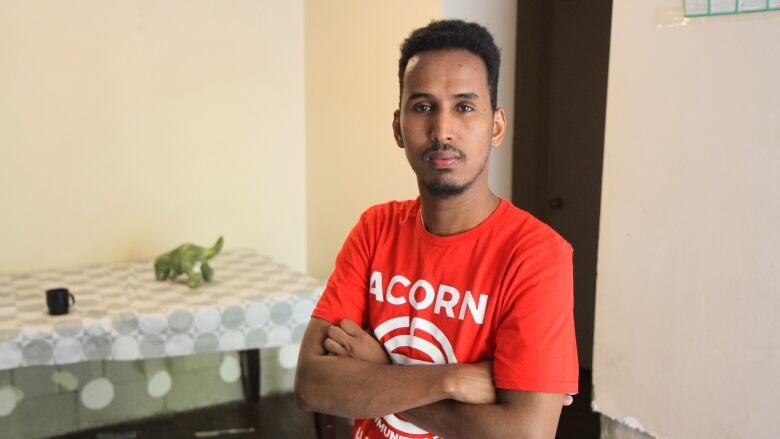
[[442, 127]]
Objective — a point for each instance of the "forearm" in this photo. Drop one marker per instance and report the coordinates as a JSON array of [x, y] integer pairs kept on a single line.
[[347, 387], [453, 420]]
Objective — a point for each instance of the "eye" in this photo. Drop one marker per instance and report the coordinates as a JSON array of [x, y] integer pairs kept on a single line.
[[464, 108], [422, 108]]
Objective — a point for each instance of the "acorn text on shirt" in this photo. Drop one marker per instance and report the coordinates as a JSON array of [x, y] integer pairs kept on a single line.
[[447, 298]]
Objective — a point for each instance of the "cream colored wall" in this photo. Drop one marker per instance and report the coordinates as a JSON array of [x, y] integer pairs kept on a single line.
[[352, 161], [500, 18], [687, 298], [127, 128]]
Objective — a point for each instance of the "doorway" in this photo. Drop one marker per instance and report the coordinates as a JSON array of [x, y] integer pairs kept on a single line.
[[562, 67]]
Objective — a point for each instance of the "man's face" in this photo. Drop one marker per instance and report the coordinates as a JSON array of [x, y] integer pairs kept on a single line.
[[446, 123]]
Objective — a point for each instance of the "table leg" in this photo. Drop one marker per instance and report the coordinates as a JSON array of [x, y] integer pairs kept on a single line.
[[250, 374]]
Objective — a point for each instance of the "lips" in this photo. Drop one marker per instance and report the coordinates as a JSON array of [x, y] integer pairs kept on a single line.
[[442, 158], [444, 162]]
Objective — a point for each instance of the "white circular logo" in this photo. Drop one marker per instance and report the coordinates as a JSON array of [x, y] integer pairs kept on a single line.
[[439, 353]]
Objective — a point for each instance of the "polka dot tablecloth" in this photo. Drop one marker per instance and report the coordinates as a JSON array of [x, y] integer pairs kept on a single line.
[[123, 313]]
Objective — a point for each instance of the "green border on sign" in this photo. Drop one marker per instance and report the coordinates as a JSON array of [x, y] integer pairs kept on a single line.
[[736, 10]]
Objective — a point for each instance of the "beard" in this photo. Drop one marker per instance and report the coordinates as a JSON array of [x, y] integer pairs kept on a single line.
[[444, 189]]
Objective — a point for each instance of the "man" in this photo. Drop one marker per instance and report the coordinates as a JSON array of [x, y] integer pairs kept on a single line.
[[449, 315]]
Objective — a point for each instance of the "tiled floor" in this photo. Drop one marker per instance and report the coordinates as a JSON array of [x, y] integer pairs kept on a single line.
[[277, 417]]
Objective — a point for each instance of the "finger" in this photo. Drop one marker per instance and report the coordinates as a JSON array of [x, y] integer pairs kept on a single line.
[[334, 348], [351, 327], [568, 400], [339, 335]]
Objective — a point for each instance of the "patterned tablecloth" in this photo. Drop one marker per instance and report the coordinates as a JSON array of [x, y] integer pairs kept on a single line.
[[123, 313]]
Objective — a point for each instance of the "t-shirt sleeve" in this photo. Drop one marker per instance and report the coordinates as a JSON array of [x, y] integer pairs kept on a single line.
[[345, 295], [536, 349]]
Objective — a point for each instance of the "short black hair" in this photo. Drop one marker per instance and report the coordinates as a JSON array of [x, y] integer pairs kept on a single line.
[[451, 35]]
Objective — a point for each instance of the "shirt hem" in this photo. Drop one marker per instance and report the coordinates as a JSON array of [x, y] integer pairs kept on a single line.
[[528, 385], [330, 318]]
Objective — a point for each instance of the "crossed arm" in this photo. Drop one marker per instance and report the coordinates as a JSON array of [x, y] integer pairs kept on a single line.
[[344, 371]]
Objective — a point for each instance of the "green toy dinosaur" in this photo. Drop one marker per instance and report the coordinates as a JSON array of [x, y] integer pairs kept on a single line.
[[184, 259]]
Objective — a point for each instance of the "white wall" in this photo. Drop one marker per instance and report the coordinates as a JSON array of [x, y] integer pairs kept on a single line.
[[352, 49], [689, 269], [500, 18], [127, 128]]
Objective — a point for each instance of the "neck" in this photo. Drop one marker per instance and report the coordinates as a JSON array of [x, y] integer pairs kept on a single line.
[[448, 216]]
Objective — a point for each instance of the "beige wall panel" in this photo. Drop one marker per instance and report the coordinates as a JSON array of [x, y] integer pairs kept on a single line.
[[687, 299], [352, 161], [127, 128]]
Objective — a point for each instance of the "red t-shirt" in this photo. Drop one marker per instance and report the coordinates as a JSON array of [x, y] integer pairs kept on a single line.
[[501, 291]]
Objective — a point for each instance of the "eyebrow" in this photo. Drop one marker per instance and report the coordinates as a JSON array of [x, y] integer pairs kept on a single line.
[[466, 95]]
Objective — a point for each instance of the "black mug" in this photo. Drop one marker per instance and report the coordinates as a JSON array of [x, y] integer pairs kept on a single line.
[[59, 300]]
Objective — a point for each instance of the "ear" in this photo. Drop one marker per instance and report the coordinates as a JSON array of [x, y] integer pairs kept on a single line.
[[399, 140], [499, 127]]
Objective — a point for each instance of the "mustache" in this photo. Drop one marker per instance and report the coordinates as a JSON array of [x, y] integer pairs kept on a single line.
[[439, 147]]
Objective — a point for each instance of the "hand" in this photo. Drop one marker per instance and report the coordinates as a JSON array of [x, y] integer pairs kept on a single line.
[[473, 383], [568, 400], [350, 340]]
